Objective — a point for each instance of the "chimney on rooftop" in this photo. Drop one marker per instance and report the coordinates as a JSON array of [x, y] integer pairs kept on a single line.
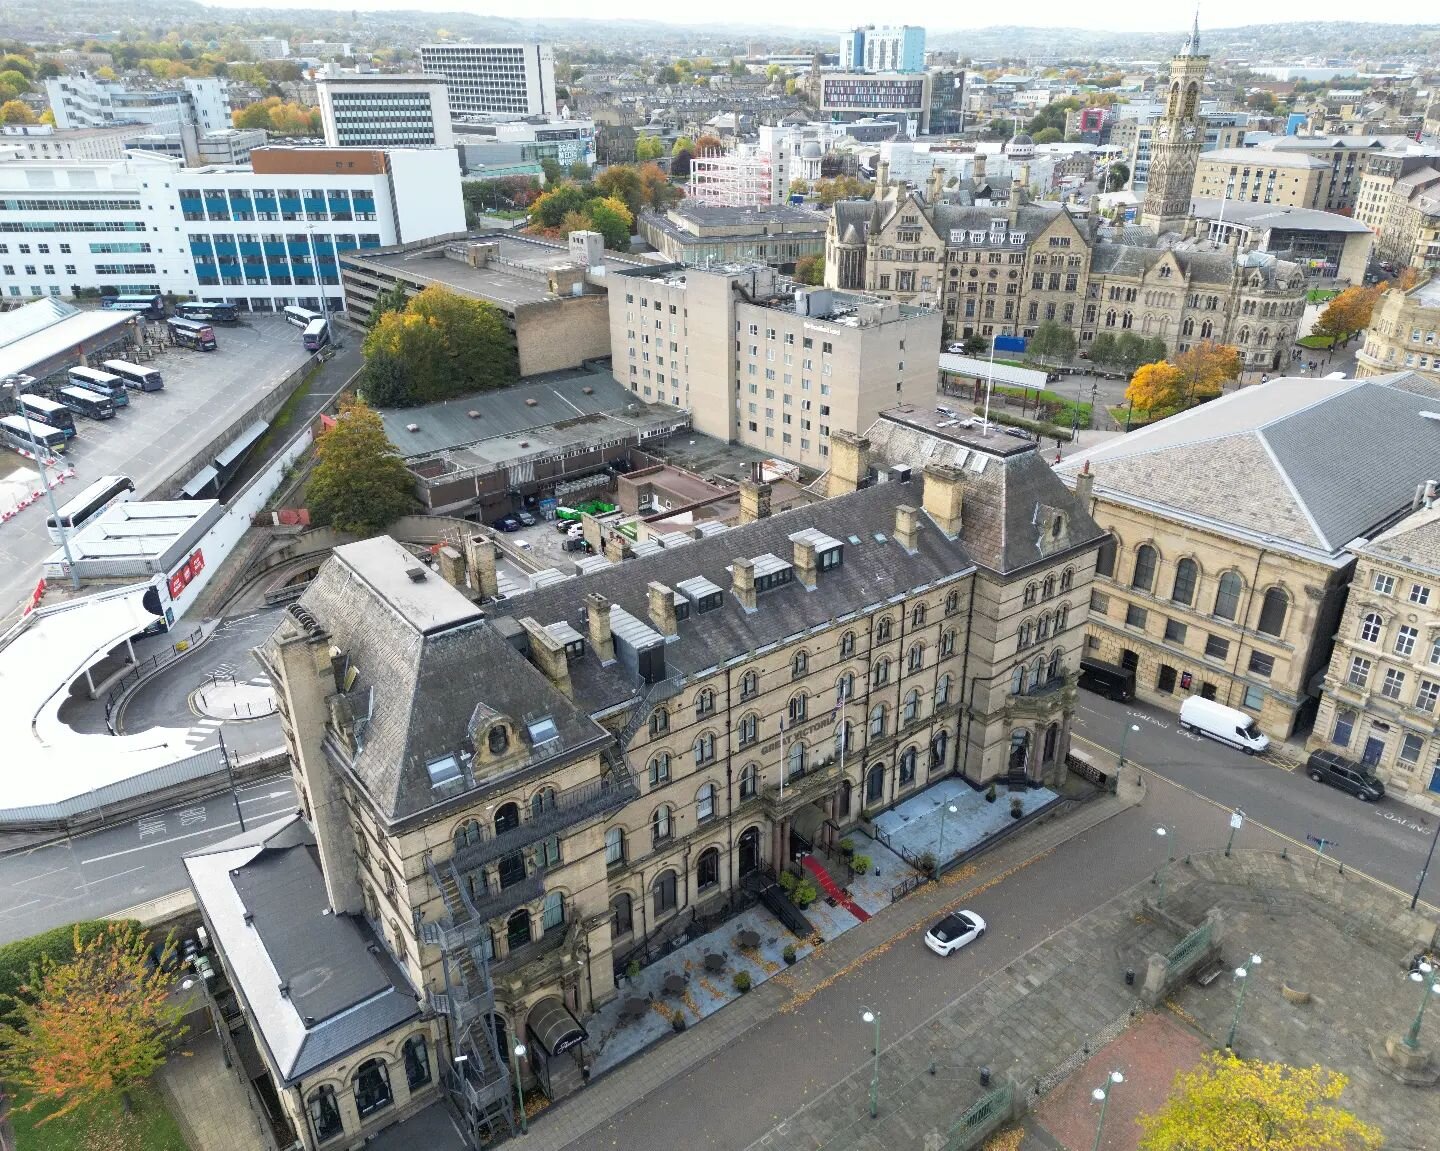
[[480, 558], [452, 566], [937, 184], [807, 566], [1085, 486], [548, 654], [754, 501], [849, 463], [743, 583], [907, 527], [943, 498], [662, 607], [597, 612]]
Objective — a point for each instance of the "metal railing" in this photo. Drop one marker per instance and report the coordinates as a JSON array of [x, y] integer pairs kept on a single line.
[[1189, 949], [982, 1117], [145, 667], [658, 693]]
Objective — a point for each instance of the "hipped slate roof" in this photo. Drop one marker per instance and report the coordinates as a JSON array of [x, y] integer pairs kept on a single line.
[[1298, 463], [1415, 541]]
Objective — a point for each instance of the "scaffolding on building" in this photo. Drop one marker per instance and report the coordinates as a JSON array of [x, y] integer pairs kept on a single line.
[[736, 180]]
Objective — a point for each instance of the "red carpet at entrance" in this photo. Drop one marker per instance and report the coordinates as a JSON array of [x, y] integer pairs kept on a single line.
[[827, 885]]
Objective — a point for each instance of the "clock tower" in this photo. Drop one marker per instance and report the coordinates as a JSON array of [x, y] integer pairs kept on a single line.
[[1175, 146]]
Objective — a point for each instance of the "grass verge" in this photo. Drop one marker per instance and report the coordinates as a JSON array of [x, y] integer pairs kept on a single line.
[[1320, 343], [102, 1126]]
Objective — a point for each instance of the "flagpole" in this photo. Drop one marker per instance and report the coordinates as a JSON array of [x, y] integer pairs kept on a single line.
[[782, 759], [990, 386]]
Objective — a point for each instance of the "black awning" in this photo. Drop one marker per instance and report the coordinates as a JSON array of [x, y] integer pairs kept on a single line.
[[554, 1028]]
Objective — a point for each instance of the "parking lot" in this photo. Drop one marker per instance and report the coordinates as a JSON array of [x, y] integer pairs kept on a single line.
[[205, 392]]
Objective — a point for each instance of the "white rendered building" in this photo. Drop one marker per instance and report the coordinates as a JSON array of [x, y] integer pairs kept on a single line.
[[514, 78], [384, 110]]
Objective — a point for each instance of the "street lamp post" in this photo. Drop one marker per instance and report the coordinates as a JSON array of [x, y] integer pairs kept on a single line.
[[1237, 820], [1242, 978], [870, 1017], [1424, 871], [42, 456], [1168, 835], [1426, 975], [517, 1053], [1101, 1095], [953, 810], [1124, 739]]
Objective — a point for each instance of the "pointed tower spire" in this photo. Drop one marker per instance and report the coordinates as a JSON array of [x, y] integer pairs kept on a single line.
[[1192, 45]]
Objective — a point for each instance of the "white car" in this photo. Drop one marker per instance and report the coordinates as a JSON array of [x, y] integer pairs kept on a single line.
[[954, 932], [955, 349]]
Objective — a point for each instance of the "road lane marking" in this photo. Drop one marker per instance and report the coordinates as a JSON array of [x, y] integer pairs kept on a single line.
[[42, 875], [159, 843], [107, 878], [18, 906]]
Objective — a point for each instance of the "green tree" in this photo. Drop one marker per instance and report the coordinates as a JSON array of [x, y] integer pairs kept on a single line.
[[359, 484], [579, 170], [392, 299], [975, 345], [1102, 348], [613, 220], [1000, 129], [92, 1026], [22, 64], [1117, 176], [737, 68], [810, 269], [1049, 136], [682, 144], [622, 182], [1230, 1104], [1053, 342], [841, 188], [667, 74], [649, 148], [15, 82], [553, 170], [1130, 352], [549, 209], [384, 381], [680, 164], [16, 112], [477, 343]]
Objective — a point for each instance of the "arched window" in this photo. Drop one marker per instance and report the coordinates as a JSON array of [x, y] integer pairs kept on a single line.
[[1146, 560], [917, 657], [663, 892], [498, 739], [1062, 618], [704, 703], [1037, 673], [882, 671], [707, 869], [1105, 558], [907, 767], [661, 825], [875, 784], [912, 707], [1017, 679], [1032, 591], [1227, 595], [749, 781], [324, 1114], [938, 746], [952, 603], [795, 760], [517, 929], [372, 1087], [797, 707], [799, 665], [660, 769], [507, 816], [942, 691], [614, 846], [1272, 612], [542, 801], [552, 918], [917, 615], [1042, 628], [1371, 627], [877, 721], [467, 834], [622, 915], [847, 645], [845, 687], [749, 685], [844, 735], [1022, 636], [416, 1053], [749, 729], [1054, 671], [1048, 589], [659, 721], [704, 748], [1187, 575], [882, 629], [705, 803], [947, 643], [1067, 579]]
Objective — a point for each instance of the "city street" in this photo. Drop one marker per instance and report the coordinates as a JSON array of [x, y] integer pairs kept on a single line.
[[116, 867], [1386, 840]]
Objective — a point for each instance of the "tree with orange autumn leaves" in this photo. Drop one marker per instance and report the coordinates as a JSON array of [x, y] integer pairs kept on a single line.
[[1193, 376], [91, 1027]]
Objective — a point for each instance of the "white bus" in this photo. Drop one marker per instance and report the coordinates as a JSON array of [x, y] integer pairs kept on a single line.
[[301, 317], [105, 491], [316, 336], [134, 376], [102, 382], [24, 435], [87, 403], [48, 411]]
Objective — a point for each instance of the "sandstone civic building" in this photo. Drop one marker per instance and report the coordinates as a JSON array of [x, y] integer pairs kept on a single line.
[[505, 801], [1233, 534]]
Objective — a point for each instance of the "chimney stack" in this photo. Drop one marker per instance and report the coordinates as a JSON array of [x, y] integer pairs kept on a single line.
[[743, 583], [597, 612], [662, 607], [1085, 486], [807, 566], [943, 498], [882, 178], [548, 654], [849, 463], [754, 501], [452, 566], [907, 527], [937, 184], [480, 558]]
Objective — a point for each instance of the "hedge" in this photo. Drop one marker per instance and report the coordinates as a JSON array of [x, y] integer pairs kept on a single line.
[[16, 959]]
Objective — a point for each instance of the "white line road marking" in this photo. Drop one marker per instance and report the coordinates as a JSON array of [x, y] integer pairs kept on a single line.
[[42, 875], [193, 815], [160, 842], [107, 878], [18, 906], [267, 795], [151, 826]]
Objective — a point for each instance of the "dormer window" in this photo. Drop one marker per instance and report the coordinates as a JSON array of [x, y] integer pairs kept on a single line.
[[830, 559], [497, 740]]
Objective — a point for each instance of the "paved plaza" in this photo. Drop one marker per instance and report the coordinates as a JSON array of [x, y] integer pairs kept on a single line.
[[924, 823]]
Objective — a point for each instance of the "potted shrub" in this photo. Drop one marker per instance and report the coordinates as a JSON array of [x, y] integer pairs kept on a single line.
[[1017, 807], [927, 862], [742, 981], [789, 954], [788, 882], [847, 849], [860, 864], [677, 1021], [632, 970], [805, 894], [990, 793]]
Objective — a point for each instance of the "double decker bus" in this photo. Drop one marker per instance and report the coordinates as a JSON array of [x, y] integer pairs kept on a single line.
[[88, 504], [102, 382], [134, 376], [316, 336], [152, 307], [47, 411], [216, 311], [192, 334], [301, 317], [26, 435], [87, 403]]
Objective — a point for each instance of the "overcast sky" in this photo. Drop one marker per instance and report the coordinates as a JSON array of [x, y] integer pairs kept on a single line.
[[1140, 15]]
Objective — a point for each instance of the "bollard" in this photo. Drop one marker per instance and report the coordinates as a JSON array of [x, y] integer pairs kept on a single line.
[[984, 1077], [1129, 977]]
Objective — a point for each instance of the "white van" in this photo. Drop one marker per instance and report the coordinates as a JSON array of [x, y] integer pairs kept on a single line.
[[1226, 724]]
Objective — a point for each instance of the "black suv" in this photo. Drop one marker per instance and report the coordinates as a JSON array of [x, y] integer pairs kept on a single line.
[[1337, 771]]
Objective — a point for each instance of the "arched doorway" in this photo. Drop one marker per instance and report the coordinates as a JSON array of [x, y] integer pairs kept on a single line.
[[507, 818], [1019, 751], [875, 784], [1052, 743], [750, 851], [847, 792]]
